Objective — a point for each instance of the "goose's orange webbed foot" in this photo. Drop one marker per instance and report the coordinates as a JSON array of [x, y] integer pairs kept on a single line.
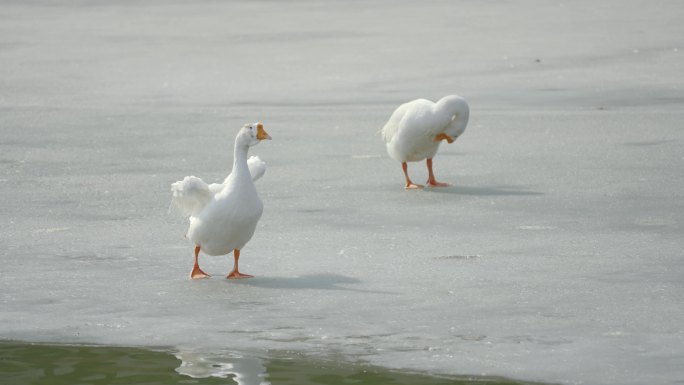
[[432, 182], [197, 273], [237, 275]]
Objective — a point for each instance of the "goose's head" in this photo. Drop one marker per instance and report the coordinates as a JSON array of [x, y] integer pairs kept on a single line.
[[456, 111], [252, 134], [453, 105]]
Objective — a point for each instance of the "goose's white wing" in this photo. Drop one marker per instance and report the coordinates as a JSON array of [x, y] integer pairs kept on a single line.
[[257, 167], [409, 118], [216, 188], [190, 195], [392, 126]]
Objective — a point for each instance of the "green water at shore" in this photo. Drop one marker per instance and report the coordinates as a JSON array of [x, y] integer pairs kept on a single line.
[[33, 364]]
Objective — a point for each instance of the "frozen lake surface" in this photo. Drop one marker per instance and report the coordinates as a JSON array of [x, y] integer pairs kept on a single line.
[[555, 256]]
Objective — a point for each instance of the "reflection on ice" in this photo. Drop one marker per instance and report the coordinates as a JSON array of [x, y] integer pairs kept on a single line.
[[29, 364], [243, 370]]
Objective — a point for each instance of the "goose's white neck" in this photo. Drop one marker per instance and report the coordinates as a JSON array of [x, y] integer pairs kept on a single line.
[[451, 105], [240, 167], [239, 179], [454, 112]]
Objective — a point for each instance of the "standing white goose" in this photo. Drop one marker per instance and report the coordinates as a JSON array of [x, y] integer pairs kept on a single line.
[[416, 129], [223, 216]]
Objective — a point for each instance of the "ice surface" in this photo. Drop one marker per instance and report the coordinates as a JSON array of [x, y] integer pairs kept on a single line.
[[555, 256]]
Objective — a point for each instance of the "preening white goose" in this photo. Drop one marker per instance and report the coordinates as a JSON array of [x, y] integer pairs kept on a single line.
[[223, 216], [416, 129]]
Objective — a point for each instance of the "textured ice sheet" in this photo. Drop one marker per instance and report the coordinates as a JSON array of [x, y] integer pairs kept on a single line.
[[555, 256]]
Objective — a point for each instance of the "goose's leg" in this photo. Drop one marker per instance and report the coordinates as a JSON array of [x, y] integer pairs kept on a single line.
[[235, 274], [196, 271], [431, 176], [409, 184]]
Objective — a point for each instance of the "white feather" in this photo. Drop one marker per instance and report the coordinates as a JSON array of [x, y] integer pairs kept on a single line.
[[410, 132], [257, 167], [189, 196]]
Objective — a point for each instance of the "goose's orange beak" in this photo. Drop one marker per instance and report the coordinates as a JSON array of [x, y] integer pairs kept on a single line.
[[444, 136], [261, 133]]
